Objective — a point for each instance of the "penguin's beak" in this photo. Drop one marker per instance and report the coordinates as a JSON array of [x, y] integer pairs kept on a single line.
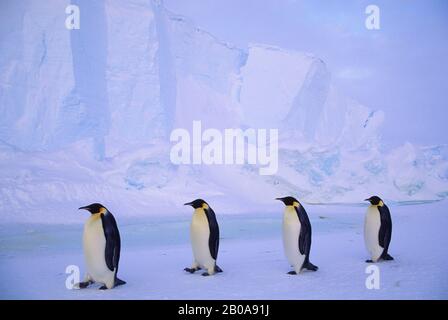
[[188, 204], [85, 208], [366, 199]]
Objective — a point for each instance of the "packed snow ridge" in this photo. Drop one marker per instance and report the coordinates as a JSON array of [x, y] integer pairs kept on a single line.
[[86, 116]]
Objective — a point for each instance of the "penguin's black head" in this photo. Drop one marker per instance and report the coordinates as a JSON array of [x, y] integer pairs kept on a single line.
[[374, 200], [198, 203], [288, 201], [94, 208]]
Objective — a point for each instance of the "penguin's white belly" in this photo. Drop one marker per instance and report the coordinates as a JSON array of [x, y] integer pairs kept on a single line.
[[94, 252], [200, 234], [291, 232], [371, 231]]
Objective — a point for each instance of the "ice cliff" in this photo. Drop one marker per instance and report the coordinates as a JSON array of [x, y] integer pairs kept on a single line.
[[85, 115]]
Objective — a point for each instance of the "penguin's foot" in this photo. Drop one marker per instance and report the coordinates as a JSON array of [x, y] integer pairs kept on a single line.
[[387, 257], [103, 287], [369, 261], [310, 266], [192, 270], [119, 282], [292, 273], [205, 274], [85, 284], [218, 269]]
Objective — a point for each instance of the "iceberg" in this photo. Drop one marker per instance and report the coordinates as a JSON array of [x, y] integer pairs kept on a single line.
[[86, 115]]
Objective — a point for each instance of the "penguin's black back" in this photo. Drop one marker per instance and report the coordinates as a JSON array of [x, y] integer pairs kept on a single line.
[[213, 241], [385, 233], [305, 231], [113, 241]]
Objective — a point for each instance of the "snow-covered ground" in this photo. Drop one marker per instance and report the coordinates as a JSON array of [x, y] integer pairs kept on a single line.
[[33, 258]]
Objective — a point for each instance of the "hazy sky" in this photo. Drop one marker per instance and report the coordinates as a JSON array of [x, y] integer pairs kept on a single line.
[[401, 68]]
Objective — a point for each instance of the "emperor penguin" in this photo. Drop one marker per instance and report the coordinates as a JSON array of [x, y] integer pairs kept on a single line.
[[101, 242], [377, 230], [296, 235], [204, 235]]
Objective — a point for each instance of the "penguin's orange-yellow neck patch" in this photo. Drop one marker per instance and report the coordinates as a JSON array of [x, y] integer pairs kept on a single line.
[[97, 215], [380, 204], [205, 206], [295, 204]]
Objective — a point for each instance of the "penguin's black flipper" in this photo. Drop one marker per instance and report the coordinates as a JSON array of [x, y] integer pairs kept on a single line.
[[385, 233], [305, 231], [113, 243], [302, 240], [213, 242]]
